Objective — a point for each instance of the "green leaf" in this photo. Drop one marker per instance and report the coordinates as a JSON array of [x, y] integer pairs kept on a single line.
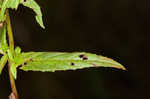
[[7, 4], [36, 8], [13, 70], [55, 61], [3, 62], [1, 3], [13, 4], [17, 50], [2, 11], [13, 63], [10, 56], [3, 41]]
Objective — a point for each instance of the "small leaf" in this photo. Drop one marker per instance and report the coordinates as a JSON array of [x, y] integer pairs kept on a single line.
[[13, 4], [3, 62], [1, 3], [13, 70], [10, 56], [3, 41], [14, 62], [55, 61], [17, 50], [36, 8], [2, 10]]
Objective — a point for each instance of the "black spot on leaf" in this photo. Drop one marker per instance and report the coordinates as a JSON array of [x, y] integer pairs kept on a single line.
[[25, 63], [83, 56], [72, 63]]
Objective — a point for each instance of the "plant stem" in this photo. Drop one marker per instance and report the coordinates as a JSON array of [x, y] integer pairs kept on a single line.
[[11, 45], [12, 82], [10, 33]]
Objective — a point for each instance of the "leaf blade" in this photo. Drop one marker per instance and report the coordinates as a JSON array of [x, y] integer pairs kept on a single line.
[[36, 8], [49, 61], [13, 70], [13, 4], [3, 40], [3, 9], [3, 62]]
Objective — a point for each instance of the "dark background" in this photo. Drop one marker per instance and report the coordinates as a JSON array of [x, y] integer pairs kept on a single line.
[[118, 29]]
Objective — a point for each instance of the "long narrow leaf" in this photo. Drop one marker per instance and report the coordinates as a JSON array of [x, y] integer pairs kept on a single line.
[[2, 10], [3, 41], [36, 8], [13, 70], [55, 61], [3, 62]]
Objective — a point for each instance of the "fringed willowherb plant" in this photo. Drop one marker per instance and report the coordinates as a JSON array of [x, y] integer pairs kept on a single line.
[[39, 61]]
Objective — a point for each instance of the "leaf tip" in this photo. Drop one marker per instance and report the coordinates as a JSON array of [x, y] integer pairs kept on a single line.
[[40, 21], [115, 64], [123, 68], [43, 26]]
